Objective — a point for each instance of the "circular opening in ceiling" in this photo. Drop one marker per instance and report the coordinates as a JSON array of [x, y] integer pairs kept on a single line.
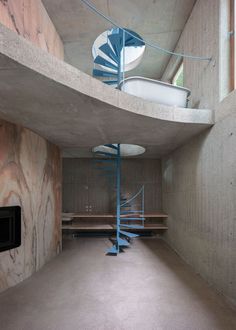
[[131, 54], [126, 150]]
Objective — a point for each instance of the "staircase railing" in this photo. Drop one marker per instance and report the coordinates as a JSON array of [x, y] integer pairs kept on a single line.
[[154, 46]]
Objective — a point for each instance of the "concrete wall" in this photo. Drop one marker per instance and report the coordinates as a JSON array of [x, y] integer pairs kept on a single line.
[[84, 188], [200, 37], [30, 19], [30, 176], [199, 179], [199, 194]]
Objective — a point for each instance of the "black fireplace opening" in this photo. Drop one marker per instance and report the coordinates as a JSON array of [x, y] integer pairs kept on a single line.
[[10, 227]]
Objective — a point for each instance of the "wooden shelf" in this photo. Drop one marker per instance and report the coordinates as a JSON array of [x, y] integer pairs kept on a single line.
[[90, 227], [81, 227], [106, 222], [147, 227], [155, 215], [70, 216], [154, 226]]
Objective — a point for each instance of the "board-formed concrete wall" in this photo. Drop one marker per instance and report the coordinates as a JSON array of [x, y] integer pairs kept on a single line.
[[29, 19], [199, 195], [84, 187], [199, 179], [200, 37], [30, 176]]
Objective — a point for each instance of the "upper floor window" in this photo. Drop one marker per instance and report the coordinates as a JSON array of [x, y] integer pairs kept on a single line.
[[178, 78], [232, 45]]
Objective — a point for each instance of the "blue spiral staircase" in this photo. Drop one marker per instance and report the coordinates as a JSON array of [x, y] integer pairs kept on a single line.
[[129, 211], [113, 69]]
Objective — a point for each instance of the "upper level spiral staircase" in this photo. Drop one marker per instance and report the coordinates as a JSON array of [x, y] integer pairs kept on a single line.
[[111, 62]]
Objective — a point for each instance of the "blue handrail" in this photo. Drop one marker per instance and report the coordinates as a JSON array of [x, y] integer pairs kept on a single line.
[[133, 197], [148, 43]]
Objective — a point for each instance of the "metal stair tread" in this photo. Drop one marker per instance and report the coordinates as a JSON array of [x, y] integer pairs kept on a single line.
[[108, 51], [128, 234], [112, 250], [122, 242], [103, 62], [132, 226], [133, 219]]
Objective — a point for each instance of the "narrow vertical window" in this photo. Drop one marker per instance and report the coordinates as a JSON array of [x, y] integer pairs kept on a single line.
[[178, 78], [232, 45]]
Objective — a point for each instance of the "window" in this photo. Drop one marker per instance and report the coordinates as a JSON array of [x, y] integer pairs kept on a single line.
[[232, 45], [178, 78]]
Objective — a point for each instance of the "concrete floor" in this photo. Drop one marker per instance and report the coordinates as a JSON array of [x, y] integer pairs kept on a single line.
[[148, 287]]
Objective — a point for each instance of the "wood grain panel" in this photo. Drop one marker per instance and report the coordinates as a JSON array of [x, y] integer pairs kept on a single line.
[[29, 19], [30, 176]]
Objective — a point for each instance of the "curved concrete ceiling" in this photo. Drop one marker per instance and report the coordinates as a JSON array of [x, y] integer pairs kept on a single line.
[[159, 21], [77, 112]]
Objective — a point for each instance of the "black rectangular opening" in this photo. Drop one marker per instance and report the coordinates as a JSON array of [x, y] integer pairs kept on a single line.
[[10, 227]]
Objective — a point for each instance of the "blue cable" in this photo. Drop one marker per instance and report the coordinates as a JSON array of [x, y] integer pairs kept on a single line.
[[95, 10]]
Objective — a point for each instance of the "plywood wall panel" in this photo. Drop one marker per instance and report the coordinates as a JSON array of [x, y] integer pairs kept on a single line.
[[30, 176], [29, 19]]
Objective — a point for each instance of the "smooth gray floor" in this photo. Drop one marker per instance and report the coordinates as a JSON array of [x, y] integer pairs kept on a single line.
[[147, 287]]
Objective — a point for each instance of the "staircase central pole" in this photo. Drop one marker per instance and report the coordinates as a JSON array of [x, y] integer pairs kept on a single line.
[[118, 170], [123, 48]]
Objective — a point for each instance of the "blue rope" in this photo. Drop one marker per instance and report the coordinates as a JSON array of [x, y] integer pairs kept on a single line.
[[155, 46]]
